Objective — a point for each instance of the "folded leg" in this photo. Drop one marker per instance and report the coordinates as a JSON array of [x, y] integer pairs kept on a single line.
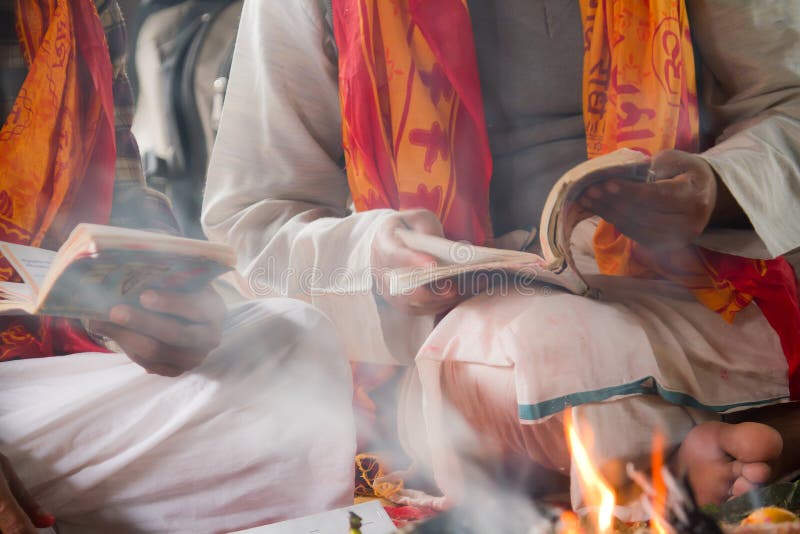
[[636, 362], [260, 432]]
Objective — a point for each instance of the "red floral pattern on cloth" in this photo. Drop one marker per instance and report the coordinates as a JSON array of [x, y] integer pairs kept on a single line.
[[62, 171]]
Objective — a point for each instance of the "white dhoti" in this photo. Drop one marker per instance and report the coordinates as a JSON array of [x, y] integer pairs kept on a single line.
[[262, 431], [636, 362]]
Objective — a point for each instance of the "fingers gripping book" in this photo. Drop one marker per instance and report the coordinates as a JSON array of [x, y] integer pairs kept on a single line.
[[560, 214]]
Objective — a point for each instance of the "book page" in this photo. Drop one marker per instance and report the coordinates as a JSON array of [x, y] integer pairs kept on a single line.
[[90, 285], [449, 252], [31, 263], [479, 277], [555, 227], [19, 291], [473, 267], [95, 238]]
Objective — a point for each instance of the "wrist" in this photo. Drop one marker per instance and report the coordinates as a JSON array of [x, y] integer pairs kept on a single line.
[[727, 212]]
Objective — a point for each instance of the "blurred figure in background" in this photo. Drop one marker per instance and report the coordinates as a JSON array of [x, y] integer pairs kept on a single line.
[[172, 416], [179, 59]]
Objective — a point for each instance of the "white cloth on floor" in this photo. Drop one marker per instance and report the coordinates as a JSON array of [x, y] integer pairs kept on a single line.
[[262, 431]]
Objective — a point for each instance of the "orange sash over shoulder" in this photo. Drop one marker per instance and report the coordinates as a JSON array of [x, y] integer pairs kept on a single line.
[[414, 133], [57, 152]]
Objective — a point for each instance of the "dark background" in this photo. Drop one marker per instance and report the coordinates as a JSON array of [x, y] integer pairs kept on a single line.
[[129, 9]]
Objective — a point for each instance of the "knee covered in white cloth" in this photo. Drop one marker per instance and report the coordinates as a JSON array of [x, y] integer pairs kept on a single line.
[[260, 432], [266, 330]]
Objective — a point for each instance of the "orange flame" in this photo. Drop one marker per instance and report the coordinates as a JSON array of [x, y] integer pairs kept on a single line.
[[659, 497], [570, 524], [596, 491]]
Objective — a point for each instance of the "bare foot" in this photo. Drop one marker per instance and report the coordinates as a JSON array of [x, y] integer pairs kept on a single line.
[[724, 460]]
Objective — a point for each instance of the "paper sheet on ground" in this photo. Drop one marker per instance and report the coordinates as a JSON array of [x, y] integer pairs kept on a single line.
[[374, 518]]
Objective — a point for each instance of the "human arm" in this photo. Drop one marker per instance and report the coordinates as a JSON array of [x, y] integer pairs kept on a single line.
[[276, 189], [751, 81], [741, 195]]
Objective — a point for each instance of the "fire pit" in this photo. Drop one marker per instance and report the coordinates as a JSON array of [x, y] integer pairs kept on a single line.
[[669, 501]]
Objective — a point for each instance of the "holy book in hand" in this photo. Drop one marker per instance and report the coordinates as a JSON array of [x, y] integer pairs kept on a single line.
[[554, 265], [99, 267]]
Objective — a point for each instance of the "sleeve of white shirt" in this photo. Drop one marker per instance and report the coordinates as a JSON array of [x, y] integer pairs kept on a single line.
[[276, 190], [750, 53]]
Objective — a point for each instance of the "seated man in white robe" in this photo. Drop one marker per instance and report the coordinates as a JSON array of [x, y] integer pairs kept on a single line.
[[175, 415], [639, 361]]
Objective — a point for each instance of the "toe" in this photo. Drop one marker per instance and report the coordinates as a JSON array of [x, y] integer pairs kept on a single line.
[[757, 472], [742, 486], [723, 459], [736, 468]]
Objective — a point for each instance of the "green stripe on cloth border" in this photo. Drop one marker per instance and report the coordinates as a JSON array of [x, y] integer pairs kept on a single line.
[[644, 386]]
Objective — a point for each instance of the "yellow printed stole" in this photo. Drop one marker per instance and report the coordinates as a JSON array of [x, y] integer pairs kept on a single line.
[[413, 126], [640, 93], [61, 123], [414, 134], [57, 152]]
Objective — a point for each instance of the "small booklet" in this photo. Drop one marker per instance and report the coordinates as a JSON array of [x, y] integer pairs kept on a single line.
[[560, 215], [99, 267]]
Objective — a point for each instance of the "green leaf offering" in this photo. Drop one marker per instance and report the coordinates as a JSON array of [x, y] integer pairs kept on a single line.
[[783, 495]]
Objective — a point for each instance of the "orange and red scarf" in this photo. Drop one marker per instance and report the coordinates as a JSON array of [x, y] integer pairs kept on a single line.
[[57, 152], [414, 133]]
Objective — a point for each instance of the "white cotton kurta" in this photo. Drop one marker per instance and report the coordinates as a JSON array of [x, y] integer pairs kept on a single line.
[[277, 192], [262, 431]]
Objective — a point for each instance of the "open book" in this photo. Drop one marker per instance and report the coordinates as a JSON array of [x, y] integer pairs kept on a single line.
[[99, 267], [560, 215]]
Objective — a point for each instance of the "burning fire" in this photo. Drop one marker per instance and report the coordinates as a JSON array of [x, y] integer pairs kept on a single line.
[[596, 491], [598, 494], [570, 523], [659, 497]]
